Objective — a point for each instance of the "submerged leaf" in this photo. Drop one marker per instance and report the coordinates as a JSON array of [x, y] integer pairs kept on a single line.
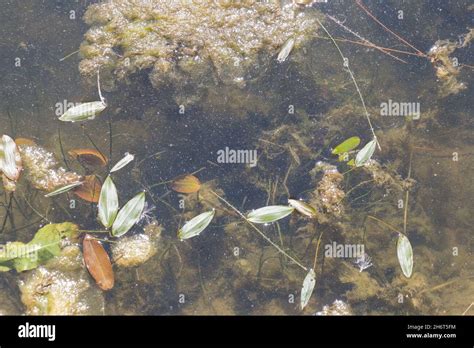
[[24, 142], [108, 203], [90, 189], [303, 208], [269, 214], [123, 162], [286, 50], [88, 156], [346, 146], [129, 215], [10, 160], [64, 189], [186, 184], [44, 246], [365, 153], [405, 255], [196, 225], [83, 112], [98, 263], [308, 287]]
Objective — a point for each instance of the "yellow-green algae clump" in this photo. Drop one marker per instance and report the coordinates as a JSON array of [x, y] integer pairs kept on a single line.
[[190, 45]]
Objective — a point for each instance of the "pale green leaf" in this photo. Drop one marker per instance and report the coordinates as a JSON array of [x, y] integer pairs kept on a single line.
[[196, 225], [405, 255], [123, 162], [308, 287], [346, 146], [128, 215], [108, 203], [303, 208], [10, 159], [365, 154], [64, 189], [83, 112], [269, 214]]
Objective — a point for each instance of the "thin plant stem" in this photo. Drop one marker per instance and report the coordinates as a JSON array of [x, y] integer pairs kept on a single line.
[[384, 223], [317, 249], [405, 213], [353, 80], [260, 232]]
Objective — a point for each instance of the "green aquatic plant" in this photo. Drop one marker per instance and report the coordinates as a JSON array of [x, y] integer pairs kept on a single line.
[[123, 162], [64, 189], [365, 154], [346, 146], [108, 203], [308, 286], [269, 214], [405, 255], [44, 246], [196, 225], [128, 215]]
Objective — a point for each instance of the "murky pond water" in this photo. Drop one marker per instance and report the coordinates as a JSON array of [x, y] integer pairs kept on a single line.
[[230, 107]]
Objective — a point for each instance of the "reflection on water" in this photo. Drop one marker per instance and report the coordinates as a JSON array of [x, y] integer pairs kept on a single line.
[[179, 116]]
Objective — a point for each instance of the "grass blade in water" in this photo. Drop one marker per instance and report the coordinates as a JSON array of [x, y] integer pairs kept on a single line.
[[196, 225], [129, 215], [108, 203], [346, 146], [98, 262], [269, 214], [123, 162], [63, 189], [405, 255], [365, 153], [308, 287]]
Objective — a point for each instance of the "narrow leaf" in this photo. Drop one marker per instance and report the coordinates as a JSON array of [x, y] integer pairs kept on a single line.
[[64, 189], [286, 50], [196, 225], [10, 160], [303, 208], [186, 184], [108, 203], [346, 146], [123, 162], [128, 215], [98, 262], [83, 112], [308, 287], [405, 255], [269, 214], [365, 153]]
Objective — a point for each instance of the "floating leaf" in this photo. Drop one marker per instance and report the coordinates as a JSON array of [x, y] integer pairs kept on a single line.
[[269, 214], [108, 203], [286, 50], [83, 112], [346, 146], [123, 162], [196, 225], [98, 262], [129, 215], [64, 189], [405, 255], [10, 160], [365, 153], [88, 156], [308, 287], [303, 208], [186, 184], [44, 246], [351, 163], [89, 190]]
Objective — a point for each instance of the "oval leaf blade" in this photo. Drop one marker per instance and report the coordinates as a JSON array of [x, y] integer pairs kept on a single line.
[[196, 225], [108, 203], [303, 208], [10, 160], [365, 153], [346, 146], [405, 255], [64, 189], [308, 287], [83, 112], [98, 262], [269, 214], [129, 215], [123, 162], [186, 184], [88, 156], [89, 190]]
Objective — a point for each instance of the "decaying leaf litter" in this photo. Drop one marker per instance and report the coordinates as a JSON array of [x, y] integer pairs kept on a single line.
[[365, 157]]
